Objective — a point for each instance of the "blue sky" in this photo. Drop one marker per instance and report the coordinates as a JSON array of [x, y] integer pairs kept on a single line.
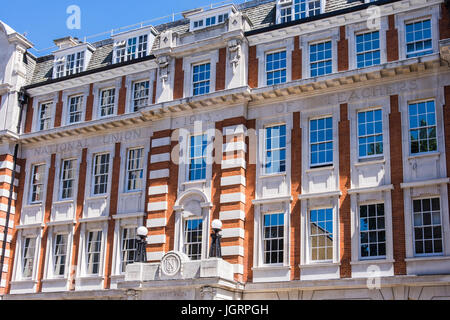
[[45, 20]]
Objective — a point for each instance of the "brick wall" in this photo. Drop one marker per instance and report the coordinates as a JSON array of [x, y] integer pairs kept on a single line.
[[78, 216], [344, 186], [47, 215], [162, 188], [249, 227], [296, 190], [59, 110], [90, 103], [122, 97], [112, 211], [398, 219], [297, 60], [342, 47], [221, 69], [29, 116], [444, 23], [16, 219], [6, 172], [178, 86], [252, 67], [392, 40]]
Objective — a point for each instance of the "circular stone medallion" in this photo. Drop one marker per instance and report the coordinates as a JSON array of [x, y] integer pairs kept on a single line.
[[171, 264]]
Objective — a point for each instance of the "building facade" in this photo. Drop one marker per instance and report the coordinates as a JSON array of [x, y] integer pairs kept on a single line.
[[317, 131]]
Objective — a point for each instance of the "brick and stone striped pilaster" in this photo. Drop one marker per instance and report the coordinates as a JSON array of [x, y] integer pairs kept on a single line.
[[159, 183], [447, 133], [392, 40], [233, 193], [6, 172], [296, 190]]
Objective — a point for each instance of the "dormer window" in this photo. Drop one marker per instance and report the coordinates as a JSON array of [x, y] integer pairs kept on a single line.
[[136, 47], [201, 19], [289, 10], [133, 44], [72, 57]]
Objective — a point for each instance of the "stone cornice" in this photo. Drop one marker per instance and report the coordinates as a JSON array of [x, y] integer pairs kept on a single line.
[[332, 83]]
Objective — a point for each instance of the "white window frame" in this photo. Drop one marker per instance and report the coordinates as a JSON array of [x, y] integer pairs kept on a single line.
[[203, 81], [265, 160], [94, 164], [204, 136], [79, 110], [42, 184], [202, 233], [47, 119], [360, 136], [188, 62], [33, 257], [363, 32], [122, 52], [332, 35], [141, 169], [432, 12], [62, 180], [424, 255], [141, 98], [79, 60], [100, 253], [55, 255], [436, 126], [275, 70], [326, 164], [310, 248], [283, 4], [386, 220], [109, 106], [406, 43], [323, 60], [125, 251], [264, 239]]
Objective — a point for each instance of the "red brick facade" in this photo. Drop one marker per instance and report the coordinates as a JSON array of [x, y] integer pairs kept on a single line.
[[392, 40], [344, 201], [398, 218], [342, 47], [47, 215], [178, 86], [90, 103], [296, 190], [297, 60], [252, 67], [112, 212], [444, 22], [122, 97], [221, 69], [29, 116], [59, 110]]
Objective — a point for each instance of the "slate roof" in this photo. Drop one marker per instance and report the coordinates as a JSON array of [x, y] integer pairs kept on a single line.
[[262, 13]]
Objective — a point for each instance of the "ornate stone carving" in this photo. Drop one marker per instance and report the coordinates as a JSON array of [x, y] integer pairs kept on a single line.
[[171, 264], [208, 293], [163, 64], [234, 49]]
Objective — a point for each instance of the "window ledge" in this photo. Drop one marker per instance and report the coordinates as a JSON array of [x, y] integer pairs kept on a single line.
[[33, 205], [61, 222], [24, 281], [55, 279], [369, 162], [374, 261], [319, 265], [427, 258], [188, 183], [425, 155], [264, 176], [63, 202], [311, 170], [90, 278], [131, 193], [93, 198], [268, 267]]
